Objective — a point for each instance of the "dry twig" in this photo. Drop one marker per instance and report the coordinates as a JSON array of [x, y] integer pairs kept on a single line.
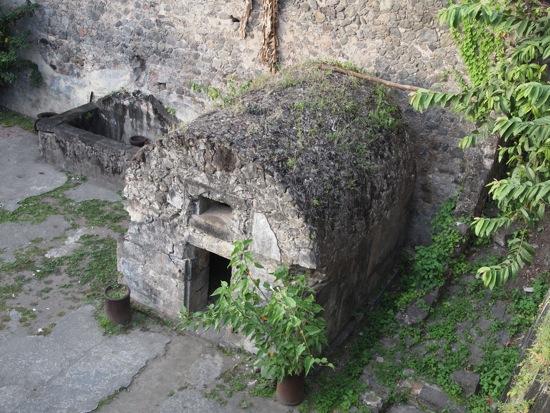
[[371, 78], [246, 16], [268, 51]]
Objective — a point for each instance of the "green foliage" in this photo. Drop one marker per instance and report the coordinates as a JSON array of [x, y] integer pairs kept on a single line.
[[510, 98], [95, 213], [117, 291], [9, 118], [525, 307], [170, 110], [429, 263], [337, 390], [11, 41], [281, 318], [478, 48], [94, 263], [263, 388], [100, 213], [496, 368], [534, 366], [435, 349], [217, 95]]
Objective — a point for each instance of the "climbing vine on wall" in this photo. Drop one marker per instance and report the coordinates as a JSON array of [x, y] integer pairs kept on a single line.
[[479, 50]]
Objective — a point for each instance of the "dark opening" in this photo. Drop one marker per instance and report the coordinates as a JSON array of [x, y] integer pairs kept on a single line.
[[218, 272], [207, 205]]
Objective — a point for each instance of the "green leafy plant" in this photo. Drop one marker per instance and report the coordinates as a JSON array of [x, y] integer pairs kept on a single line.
[[11, 42], [429, 263], [509, 98], [478, 49], [219, 96], [117, 291], [281, 318], [496, 369], [170, 110]]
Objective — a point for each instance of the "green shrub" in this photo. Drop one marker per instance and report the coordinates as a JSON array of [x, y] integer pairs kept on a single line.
[[11, 42]]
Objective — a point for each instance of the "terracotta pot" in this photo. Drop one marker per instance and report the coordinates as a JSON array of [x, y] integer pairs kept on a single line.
[[138, 140], [118, 310], [292, 390]]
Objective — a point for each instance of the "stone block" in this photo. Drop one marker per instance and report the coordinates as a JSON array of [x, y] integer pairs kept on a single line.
[[264, 239], [372, 401], [469, 381], [404, 409], [436, 399]]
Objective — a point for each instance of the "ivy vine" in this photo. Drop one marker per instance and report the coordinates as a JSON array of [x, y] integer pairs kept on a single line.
[[479, 50]]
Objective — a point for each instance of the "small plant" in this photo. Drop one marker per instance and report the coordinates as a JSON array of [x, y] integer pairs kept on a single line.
[[429, 263], [496, 369], [280, 318], [117, 291], [533, 367], [46, 330], [170, 110], [108, 326]]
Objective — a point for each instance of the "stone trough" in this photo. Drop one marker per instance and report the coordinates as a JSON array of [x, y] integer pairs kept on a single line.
[[95, 139]]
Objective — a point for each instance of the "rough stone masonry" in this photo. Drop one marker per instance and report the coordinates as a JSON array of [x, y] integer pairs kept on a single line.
[[161, 47], [321, 182]]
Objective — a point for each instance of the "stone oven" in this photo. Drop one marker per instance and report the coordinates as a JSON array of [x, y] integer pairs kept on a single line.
[[94, 139], [315, 167]]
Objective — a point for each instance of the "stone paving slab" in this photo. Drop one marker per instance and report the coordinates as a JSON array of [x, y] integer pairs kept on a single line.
[[92, 190], [23, 174], [14, 235], [404, 409], [194, 401], [73, 367]]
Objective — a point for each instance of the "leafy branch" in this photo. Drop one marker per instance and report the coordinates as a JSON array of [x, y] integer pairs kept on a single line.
[[280, 318], [511, 99]]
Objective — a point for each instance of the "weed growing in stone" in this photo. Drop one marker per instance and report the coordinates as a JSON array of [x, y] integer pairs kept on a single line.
[[37, 209], [462, 333], [429, 263], [99, 213], [108, 399], [108, 326], [534, 366]]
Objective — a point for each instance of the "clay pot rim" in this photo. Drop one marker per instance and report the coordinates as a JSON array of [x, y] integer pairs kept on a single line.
[[138, 140]]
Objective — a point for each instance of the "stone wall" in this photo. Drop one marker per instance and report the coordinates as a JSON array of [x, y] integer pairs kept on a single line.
[[161, 47]]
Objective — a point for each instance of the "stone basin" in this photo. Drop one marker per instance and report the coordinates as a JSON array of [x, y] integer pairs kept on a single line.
[[94, 139]]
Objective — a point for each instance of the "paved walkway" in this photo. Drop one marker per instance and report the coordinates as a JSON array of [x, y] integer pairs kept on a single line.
[[75, 366]]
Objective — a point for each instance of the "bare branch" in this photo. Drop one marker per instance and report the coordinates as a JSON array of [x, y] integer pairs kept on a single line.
[[268, 51], [246, 16], [371, 78]]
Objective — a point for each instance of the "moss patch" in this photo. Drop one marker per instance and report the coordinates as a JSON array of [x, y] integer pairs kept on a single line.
[[9, 118]]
